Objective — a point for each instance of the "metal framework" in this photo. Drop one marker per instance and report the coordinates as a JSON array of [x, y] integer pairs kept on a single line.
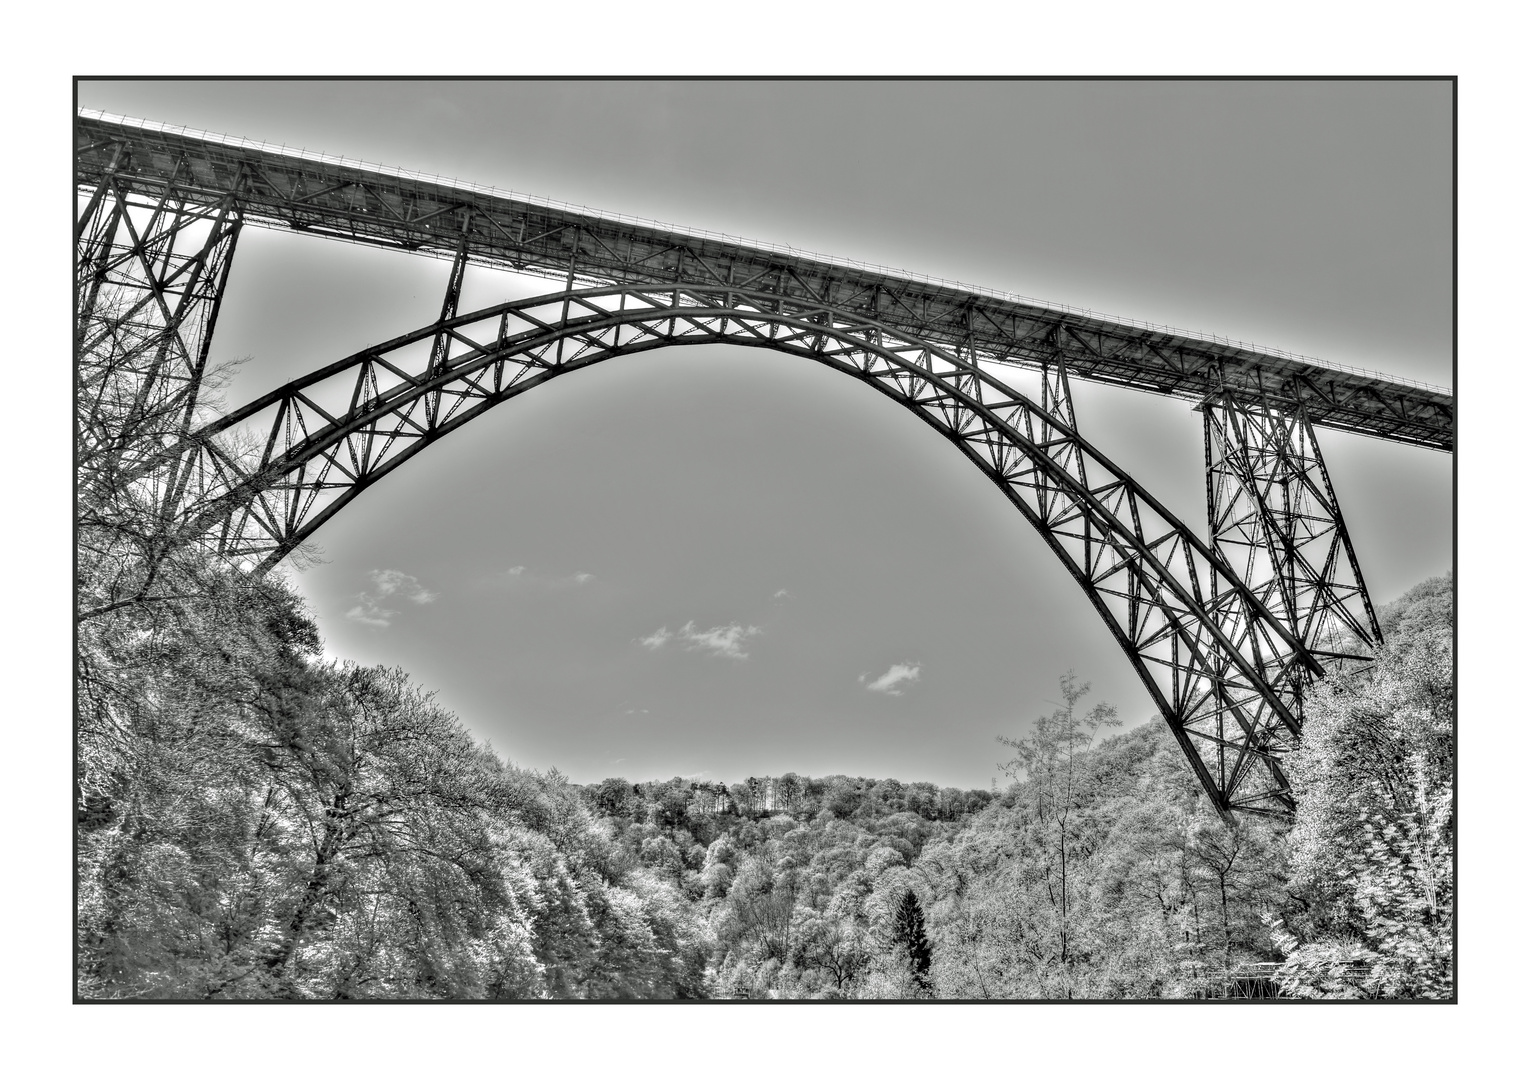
[[1225, 635], [1274, 516], [150, 271], [1225, 673], [326, 196]]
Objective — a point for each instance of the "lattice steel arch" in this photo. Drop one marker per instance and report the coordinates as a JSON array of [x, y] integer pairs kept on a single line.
[[1226, 675]]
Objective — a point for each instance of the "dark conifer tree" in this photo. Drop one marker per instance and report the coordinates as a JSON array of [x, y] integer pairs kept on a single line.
[[908, 932]]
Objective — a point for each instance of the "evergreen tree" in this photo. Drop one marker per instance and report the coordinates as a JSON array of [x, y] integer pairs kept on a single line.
[[908, 932]]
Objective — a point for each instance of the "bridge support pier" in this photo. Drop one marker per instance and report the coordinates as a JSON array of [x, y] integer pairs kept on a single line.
[[1273, 516], [150, 275]]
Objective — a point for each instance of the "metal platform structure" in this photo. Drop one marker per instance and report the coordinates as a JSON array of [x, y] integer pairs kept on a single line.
[[1226, 632]]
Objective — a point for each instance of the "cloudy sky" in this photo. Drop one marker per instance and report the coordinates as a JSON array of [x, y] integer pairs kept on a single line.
[[718, 562]]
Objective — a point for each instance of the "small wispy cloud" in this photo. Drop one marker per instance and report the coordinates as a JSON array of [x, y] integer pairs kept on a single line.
[[398, 583], [781, 594], [657, 639], [719, 640], [388, 586], [371, 616], [725, 641], [521, 573], [893, 679]]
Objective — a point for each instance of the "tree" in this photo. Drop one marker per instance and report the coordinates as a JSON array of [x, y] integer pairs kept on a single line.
[[843, 797], [613, 797], [1373, 841], [908, 936], [1241, 865], [789, 792], [1047, 759], [836, 947], [760, 902]]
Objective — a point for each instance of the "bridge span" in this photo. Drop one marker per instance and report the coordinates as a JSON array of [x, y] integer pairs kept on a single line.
[[328, 196], [1227, 631]]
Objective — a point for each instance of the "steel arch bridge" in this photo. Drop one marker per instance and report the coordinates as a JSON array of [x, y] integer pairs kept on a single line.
[[1226, 633]]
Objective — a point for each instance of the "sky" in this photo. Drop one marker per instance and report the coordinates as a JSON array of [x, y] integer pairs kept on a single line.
[[718, 562]]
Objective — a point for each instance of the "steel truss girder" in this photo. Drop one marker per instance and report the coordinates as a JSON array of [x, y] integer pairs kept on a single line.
[[349, 202], [1273, 515], [1225, 673]]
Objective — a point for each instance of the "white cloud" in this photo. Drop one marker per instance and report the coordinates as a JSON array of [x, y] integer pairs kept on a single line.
[[516, 571], [581, 577], [370, 614], [398, 583], [781, 594], [656, 639], [893, 679], [725, 641], [388, 586], [719, 640]]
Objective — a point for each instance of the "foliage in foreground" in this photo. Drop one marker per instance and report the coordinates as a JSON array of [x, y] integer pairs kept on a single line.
[[1374, 840], [256, 822]]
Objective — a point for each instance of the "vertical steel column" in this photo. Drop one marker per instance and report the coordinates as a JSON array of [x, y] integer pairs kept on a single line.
[[1057, 400], [1273, 516], [440, 349], [151, 268], [1056, 397]]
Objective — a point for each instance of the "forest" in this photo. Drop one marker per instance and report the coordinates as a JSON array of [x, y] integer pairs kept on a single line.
[[254, 821]]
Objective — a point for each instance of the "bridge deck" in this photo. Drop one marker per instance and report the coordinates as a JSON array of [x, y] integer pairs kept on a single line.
[[316, 194]]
